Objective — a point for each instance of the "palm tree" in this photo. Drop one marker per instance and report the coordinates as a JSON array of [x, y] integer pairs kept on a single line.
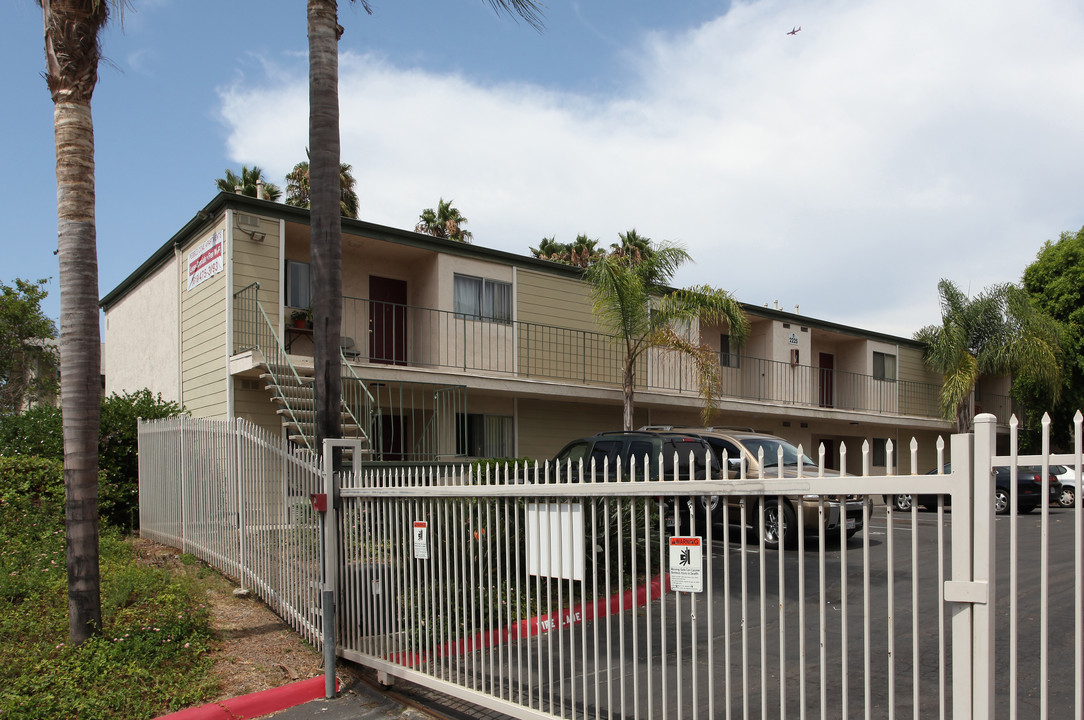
[[632, 304], [995, 333], [325, 192], [580, 253], [297, 187], [72, 52], [549, 249], [632, 245], [249, 181], [583, 251], [444, 222]]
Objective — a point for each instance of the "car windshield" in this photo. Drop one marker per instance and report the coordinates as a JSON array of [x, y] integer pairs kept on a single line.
[[771, 451]]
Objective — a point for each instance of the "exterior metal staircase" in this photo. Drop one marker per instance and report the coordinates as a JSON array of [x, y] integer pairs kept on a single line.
[[293, 393]]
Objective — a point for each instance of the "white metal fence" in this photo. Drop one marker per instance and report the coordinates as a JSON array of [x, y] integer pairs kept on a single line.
[[538, 597], [237, 497]]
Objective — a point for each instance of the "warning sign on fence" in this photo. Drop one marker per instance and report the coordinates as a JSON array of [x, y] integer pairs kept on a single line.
[[686, 564], [421, 540]]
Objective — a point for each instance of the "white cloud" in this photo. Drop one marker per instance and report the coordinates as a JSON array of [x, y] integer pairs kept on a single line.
[[845, 169]]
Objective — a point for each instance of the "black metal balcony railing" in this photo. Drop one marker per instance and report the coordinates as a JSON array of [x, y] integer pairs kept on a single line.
[[392, 334]]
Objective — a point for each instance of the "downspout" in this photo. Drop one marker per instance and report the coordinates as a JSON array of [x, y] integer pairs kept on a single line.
[[228, 252]]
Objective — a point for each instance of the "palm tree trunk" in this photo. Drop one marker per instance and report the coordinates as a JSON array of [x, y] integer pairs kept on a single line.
[[628, 387], [72, 53], [326, 223]]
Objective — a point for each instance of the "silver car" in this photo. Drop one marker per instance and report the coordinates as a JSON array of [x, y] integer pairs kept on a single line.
[[1067, 477], [848, 512]]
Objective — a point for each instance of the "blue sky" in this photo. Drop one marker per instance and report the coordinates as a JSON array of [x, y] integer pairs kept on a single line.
[[844, 169]]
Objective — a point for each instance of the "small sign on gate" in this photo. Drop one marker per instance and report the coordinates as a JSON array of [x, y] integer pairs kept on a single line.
[[421, 540], [686, 564]]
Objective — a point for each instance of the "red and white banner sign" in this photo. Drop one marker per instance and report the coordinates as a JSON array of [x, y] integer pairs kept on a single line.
[[206, 260]]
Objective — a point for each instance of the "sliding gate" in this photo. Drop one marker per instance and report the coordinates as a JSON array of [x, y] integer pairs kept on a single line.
[[548, 592]]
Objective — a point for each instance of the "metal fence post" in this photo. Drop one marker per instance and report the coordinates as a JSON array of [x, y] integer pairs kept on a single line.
[[331, 566], [961, 611], [983, 548]]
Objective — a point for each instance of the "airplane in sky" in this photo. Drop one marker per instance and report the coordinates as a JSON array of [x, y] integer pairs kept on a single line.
[[795, 31]]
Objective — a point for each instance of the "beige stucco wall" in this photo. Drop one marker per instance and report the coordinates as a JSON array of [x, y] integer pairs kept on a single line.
[[141, 337]]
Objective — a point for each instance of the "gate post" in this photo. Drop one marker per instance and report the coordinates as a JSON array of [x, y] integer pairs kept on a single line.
[[961, 608], [331, 568], [983, 548]]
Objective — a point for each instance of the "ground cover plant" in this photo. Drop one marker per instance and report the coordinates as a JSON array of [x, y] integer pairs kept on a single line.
[[151, 656]]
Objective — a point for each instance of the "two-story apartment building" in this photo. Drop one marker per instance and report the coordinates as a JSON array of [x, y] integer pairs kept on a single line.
[[454, 350]]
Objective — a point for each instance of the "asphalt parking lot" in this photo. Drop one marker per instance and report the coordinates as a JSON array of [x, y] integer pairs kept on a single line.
[[708, 664]]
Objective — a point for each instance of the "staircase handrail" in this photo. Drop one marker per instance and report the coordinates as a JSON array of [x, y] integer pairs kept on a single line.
[[370, 401], [281, 358]]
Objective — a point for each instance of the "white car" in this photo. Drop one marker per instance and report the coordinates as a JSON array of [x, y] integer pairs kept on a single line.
[[1067, 476]]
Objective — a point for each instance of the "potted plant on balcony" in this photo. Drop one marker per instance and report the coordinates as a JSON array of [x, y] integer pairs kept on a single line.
[[302, 317]]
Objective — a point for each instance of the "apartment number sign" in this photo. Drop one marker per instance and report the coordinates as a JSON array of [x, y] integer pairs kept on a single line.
[[206, 260]]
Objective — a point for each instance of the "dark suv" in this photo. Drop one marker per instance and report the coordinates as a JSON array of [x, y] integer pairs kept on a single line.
[[607, 448]]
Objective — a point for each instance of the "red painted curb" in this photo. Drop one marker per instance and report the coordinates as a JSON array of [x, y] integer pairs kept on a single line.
[[632, 598], [256, 704]]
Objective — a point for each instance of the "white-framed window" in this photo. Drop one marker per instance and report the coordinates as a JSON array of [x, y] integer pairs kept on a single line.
[[297, 284], [884, 367], [483, 436], [483, 299]]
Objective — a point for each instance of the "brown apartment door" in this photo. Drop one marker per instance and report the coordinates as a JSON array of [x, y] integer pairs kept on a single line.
[[827, 371], [387, 320]]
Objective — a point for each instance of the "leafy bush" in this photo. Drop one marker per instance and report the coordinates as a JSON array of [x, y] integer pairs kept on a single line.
[[150, 658], [38, 432], [117, 456], [35, 432], [37, 481]]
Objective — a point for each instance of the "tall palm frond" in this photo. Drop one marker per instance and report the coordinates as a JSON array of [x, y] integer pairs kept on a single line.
[[248, 181], [630, 303], [995, 333]]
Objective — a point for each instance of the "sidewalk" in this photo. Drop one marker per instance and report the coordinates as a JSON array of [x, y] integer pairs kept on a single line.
[[356, 701]]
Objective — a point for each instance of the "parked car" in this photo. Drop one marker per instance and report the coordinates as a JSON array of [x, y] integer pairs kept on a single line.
[[1029, 489], [607, 448], [848, 511], [1067, 477]]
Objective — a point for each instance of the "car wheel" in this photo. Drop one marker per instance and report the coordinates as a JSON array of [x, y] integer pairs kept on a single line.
[[1024, 509], [778, 528], [1067, 496], [1001, 501], [903, 503]]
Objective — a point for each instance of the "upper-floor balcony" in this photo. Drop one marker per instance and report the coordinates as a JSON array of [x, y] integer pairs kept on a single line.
[[383, 334]]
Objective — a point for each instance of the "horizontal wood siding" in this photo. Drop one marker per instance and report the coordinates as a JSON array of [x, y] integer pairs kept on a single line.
[[253, 403], [203, 339], [545, 427], [911, 367], [259, 262], [558, 337], [919, 385], [553, 300]]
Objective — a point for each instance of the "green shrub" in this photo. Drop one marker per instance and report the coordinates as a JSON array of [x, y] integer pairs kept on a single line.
[[35, 432], [150, 658], [38, 432], [36, 481]]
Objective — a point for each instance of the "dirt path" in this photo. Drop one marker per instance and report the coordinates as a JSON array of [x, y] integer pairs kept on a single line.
[[255, 649]]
